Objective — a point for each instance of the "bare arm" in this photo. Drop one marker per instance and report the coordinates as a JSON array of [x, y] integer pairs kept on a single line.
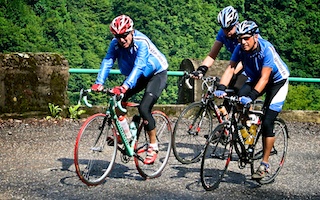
[[265, 75], [215, 49], [228, 73]]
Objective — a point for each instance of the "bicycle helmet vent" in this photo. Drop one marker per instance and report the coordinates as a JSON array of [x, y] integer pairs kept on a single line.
[[121, 25], [247, 27], [228, 17]]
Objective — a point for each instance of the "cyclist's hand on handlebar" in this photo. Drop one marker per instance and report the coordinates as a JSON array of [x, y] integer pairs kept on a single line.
[[97, 87], [200, 72], [219, 93], [117, 90], [196, 74], [245, 100]]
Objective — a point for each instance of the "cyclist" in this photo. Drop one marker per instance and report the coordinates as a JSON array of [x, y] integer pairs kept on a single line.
[[144, 66], [266, 73], [228, 19]]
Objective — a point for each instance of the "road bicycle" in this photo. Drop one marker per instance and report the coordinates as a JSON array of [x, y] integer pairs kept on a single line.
[[241, 132], [197, 120], [194, 122], [98, 141]]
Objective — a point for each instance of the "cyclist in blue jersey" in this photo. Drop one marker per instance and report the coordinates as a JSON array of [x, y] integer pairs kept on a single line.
[[145, 68], [266, 73], [228, 19]]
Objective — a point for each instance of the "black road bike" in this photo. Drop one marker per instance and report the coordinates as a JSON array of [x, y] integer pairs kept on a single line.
[[242, 134]]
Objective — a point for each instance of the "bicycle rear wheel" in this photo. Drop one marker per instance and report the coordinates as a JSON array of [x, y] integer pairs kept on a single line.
[[95, 149], [164, 139], [194, 122], [278, 152], [216, 158]]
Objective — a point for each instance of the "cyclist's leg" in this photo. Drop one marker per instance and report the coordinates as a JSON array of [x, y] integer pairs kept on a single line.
[[164, 141], [238, 79], [154, 88], [277, 155], [275, 97]]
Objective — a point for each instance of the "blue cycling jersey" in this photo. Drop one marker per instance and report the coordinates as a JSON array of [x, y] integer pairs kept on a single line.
[[264, 56], [230, 43], [141, 59]]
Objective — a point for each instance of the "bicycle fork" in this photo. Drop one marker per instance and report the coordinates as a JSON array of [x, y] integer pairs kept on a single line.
[[197, 130]]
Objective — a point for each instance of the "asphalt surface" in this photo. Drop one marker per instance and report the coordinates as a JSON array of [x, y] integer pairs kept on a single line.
[[37, 163]]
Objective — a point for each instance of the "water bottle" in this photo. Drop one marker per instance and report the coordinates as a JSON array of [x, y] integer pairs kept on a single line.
[[247, 137], [244, 133], [124, 124], [133, 125], [253, 129]]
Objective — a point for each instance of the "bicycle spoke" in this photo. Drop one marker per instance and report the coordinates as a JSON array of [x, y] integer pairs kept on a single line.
[[215, 160], [277, 154], [194, 123], [164, 139], [94, 162]]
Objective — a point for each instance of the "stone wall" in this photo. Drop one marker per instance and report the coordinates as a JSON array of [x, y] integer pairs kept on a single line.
[[29, 81], [187, 95]]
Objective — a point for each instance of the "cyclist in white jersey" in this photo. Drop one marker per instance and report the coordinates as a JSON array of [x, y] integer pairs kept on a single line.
[[266, 73], [145, 68]]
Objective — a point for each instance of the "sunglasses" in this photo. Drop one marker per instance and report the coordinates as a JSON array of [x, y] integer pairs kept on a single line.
[[246, 38], [124, 35], [228, 29]]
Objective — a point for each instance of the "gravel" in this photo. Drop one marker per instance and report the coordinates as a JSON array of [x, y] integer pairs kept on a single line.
[[37, 163]]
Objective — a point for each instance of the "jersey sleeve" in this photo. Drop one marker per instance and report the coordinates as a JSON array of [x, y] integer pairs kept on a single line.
[[220, 36], [235, 57], [268, 59], [140, 63], [106, 64]]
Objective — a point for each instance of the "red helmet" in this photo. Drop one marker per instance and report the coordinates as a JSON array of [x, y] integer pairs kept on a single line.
[[121, 25]]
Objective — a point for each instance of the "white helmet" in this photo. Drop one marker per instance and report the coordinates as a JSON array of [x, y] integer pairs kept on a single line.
[[228, 17], [247, 27]]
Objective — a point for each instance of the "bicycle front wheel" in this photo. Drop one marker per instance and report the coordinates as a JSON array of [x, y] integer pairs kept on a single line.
[[216, 158], [277, 155], [95, 149], [190, 131], [164, 140]]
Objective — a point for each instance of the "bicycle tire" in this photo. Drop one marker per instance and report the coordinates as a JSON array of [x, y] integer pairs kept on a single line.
[[194, 122], [93, 156], [164, 140], [216, 158], [278, 152]]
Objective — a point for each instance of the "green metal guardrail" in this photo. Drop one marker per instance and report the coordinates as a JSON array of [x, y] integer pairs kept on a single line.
[[179, 73], [114, 71]]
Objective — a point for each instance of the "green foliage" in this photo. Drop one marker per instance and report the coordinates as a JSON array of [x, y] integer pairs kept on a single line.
[[302, 97], [79, 30], [74, 111], [54, 111]]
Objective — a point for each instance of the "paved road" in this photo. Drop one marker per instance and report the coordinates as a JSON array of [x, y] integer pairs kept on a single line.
[[37, 163]]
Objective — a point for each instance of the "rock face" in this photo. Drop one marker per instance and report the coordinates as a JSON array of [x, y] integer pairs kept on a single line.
[[29, 81]]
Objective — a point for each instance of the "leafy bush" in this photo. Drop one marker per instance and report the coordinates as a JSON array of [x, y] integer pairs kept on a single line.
[[302, 97], [74, 112], [54, 111]]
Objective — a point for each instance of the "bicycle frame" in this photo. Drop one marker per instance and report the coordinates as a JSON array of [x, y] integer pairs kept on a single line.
[[244, 153], [114, 103], [97, 142]]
